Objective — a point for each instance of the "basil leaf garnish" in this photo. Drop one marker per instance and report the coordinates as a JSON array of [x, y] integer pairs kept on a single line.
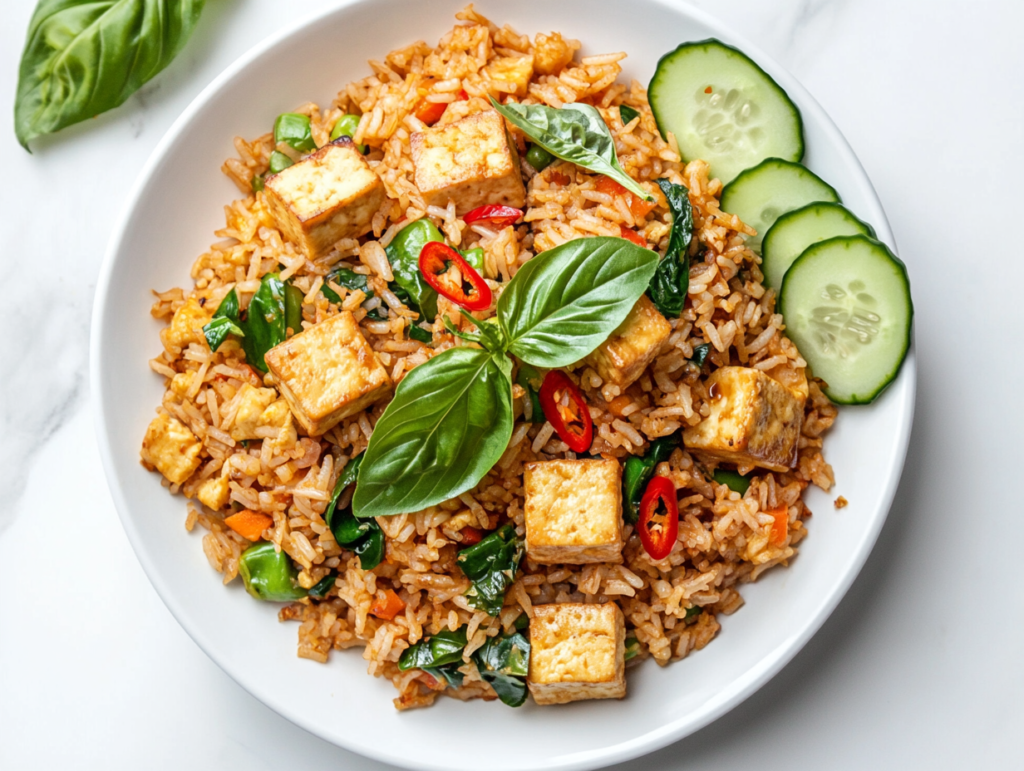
[[363, 536], [404, 255], [637, 472], [443, 648], [264, 324], [450, 421], [576, 133], [491, 565], [225, 322], [504, 662], [351, 280], [84, 57], [672, 279], [566, 301]]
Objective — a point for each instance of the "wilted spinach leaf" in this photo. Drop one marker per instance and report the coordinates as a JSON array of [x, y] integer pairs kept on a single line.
[[225, 322], [491, 565], [504, 662]]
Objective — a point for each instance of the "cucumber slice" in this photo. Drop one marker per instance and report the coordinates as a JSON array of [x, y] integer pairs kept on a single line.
[[847, 306], [793, 232], [761, 195], [723, 108]]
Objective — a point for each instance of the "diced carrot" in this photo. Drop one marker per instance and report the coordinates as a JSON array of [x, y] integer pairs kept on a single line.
[[632, 235], [430, 112], [780, 527], [249, 524], [619, 403], [637, 206], [471, 535], [389, 607]]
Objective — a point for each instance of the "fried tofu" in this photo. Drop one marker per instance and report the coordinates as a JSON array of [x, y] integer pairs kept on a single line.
[[573, 511], [754, 420], [171, 448], [552, 53], [472, 162], [330, 195], [327, 373], [514, 70], [251, 404], [623, 357], [577, 652], [214, 492], [186, 325]]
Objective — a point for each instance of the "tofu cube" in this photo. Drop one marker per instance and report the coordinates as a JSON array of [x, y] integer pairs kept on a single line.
[[624, 356], [330, 195], [552, 53], [514, 70], [251, 404], [754, 420], [181, 383], [573, 511], [171, 448], [327, 373], [577, 652], [187, 325], [214, 492], [472, 161]]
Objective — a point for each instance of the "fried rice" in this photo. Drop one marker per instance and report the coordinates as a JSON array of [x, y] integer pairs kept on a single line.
[[724, 538]]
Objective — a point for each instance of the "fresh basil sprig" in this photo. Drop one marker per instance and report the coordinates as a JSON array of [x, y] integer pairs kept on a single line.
[[84, 57], [491, 565], [672, 279], [363, 536], [265, 323], [451, 418], [576, 133], [565, 302]]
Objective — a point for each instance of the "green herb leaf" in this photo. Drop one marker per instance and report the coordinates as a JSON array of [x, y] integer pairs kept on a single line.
[[264, 324], [324, 585], [491, 565], [700, 353], [632, 648], [627, 113], [504, 662], [450, 421], [351, 280], [363, 536], [225, 322], [418, 333], [576, 133], [566, 301], [443, 648], [84, 57], [295, 131], [637, 472], [404, 255], [734, 481], [476, 259], [530, 379], [672, 279]]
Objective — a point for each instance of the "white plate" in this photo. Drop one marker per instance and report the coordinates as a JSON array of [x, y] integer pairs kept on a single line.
[[170, 219]]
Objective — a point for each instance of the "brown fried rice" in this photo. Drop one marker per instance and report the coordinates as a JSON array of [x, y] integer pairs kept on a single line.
[[723, 538]]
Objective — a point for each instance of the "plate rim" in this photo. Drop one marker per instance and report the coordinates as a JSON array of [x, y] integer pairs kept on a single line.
[[768, 666]]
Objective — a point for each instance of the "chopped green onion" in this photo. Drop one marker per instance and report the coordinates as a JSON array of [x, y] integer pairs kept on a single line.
[[295, 131], [279, 162]]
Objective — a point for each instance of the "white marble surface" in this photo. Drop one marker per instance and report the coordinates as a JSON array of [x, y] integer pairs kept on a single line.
[[920, 666]]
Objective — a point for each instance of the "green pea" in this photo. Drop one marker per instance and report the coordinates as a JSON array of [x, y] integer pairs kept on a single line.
[[269, 574], [404, 255], [294, 130], [257, 183], [538, 157], [346, 127], [279, 162], [293, 298]]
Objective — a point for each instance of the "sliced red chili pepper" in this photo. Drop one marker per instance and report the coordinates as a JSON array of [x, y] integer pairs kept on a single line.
[[499, 216], [578, 430], [467, 289], [463, 96], [658, 528], [632, 235]]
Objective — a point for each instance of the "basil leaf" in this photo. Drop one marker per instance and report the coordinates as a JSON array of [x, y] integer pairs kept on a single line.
[[692, 613], [404, 255], [84, 57], [565, 302], [364, 537], [733, 480], [351, 280], [295, 131], [324, 585], [700, 353], [672, 279], [225, 322], [450, 421], [264, 324], [418, 333], [627, 113], [491, 565], [504, 662], [637, 472], [576, 133], [529, 378], [449, 673], [443, 648]]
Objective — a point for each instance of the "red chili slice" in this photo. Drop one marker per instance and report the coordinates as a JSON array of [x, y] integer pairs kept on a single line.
[[468, 289], [578, 437], [658, 529], [499, 216]]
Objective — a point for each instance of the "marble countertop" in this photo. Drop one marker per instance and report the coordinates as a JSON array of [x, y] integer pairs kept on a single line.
[[920, 665]]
